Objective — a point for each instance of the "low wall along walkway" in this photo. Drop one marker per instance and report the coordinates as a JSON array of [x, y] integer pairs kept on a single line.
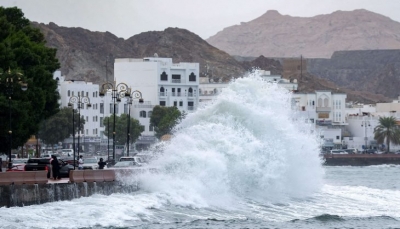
[[33, 187]]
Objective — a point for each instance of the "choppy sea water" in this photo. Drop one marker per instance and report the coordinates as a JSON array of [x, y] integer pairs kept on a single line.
[[242, 161]]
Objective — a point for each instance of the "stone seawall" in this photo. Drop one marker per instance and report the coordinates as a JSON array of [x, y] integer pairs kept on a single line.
[[30, 194], [361, 159]]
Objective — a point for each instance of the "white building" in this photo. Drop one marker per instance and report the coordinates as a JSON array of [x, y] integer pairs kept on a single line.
[[161, 82], [93, 133], [327, 110], [363, 118]]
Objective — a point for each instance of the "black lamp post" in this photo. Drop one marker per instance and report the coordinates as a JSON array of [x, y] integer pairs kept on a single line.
[[80, 101], [138, 95], [11, 79], [118, 91]]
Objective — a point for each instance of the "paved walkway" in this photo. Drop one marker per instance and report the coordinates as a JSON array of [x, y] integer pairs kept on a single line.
[[62, 180]]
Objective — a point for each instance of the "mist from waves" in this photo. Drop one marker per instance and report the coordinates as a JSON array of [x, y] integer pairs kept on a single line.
[[246, 144]]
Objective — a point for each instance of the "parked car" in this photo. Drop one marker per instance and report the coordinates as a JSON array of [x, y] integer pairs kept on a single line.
[[136, 159], [338, 151], [18, 165], [125, 164], [37, 164], [351, 151], [371, 151], [90, 163]]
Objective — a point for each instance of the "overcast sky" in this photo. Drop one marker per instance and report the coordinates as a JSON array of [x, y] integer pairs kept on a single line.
[[126, 18]]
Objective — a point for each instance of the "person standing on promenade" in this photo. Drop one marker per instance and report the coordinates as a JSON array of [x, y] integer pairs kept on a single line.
[[55, 167], [101, 163], [80, 162]]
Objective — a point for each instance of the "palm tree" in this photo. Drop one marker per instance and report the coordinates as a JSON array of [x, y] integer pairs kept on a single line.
[[387, 130]]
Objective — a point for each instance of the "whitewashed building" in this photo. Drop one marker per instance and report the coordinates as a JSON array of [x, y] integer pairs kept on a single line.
[[161, 82], [92, 135], [326, 109]]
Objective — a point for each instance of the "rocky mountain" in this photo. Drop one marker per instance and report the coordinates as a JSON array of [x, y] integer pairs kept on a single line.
[[309, 79], [85, 55], [374, 71], [276, 35]]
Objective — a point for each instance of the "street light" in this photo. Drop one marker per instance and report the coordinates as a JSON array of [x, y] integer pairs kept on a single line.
[[118, 91], [11, 80], [135, 95], [80, 101], [364, 124]]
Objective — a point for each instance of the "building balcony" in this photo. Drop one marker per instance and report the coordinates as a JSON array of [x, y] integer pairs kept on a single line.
[[323, 109], [176, 80], [324, 122]]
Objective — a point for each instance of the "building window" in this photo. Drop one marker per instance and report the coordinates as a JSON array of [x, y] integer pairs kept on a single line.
[[101, 108], [180, 103], [149, 114], [142, 114], [326, 102], [190, 106], [112, 108], [176, 78], [69, 93], [192, 77], [142, 128], [173, 91], [151, 128], [101, 121], [175, 103], [164, 76], [179, 92], [162, 103], [337, 137], [162, 91]]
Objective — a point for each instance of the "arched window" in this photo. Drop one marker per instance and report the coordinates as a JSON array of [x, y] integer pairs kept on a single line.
[[319, 102], [190, 90], [192, 77], [164, 76], [326, 102], [142, 114], [162, 89]]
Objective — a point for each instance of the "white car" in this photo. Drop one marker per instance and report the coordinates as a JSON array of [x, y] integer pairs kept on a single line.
[[90, 163], [139, 161], [338, 151]]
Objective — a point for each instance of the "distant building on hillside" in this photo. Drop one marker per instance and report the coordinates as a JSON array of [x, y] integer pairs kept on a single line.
[[294, 67]]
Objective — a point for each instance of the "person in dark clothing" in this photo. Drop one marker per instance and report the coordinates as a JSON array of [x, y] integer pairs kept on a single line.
[[55, 167], [101, 163]]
